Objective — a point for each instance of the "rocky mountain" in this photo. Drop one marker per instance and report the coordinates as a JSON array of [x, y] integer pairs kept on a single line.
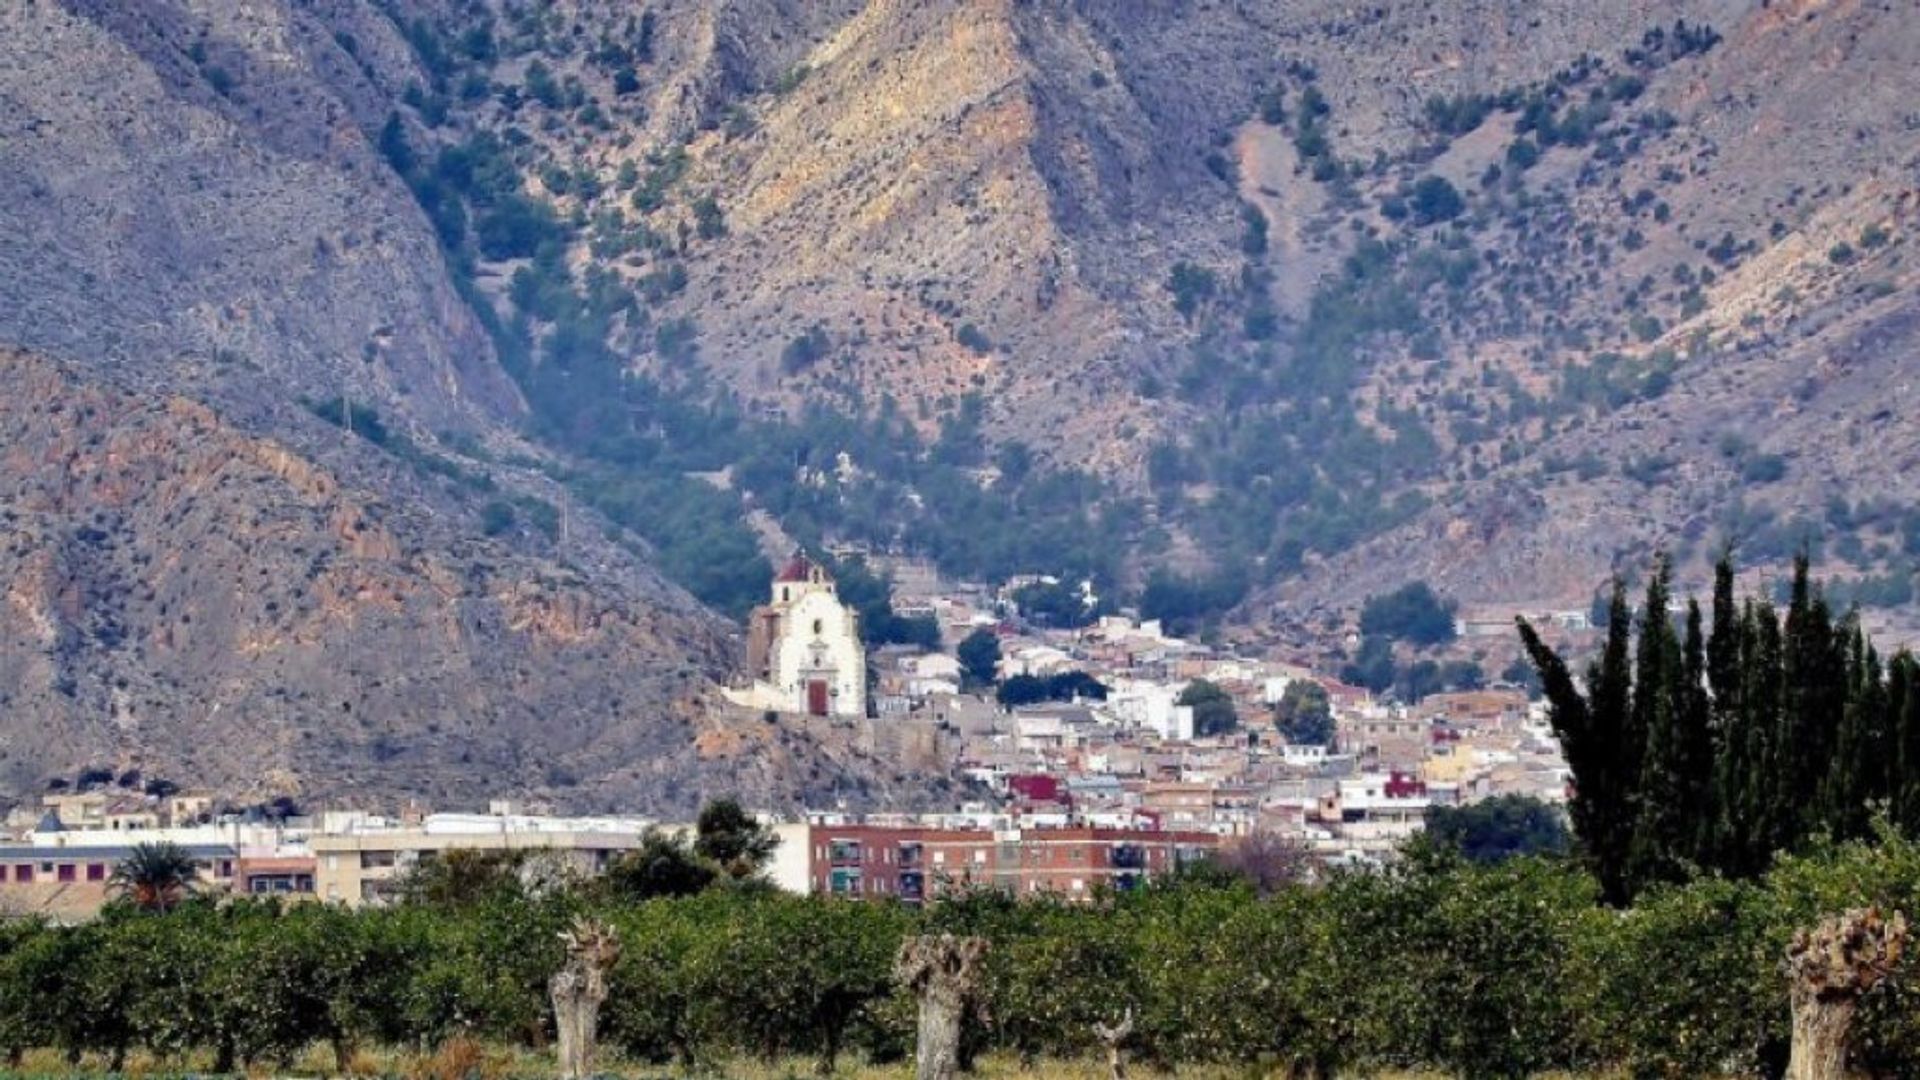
[[210, 576], [214, 607], [1259, 306]]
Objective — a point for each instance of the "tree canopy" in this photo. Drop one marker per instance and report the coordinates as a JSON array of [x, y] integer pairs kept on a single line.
[[1213, 711], [979, 656], [1304, 714], [1413, 613], [1503, 827]]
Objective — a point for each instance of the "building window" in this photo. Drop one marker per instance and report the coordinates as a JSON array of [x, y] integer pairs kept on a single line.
[[375, 860], [23, 873], [67, 872], [96, 871]]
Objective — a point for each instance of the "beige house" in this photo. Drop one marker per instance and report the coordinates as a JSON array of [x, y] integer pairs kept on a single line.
[[360, 860]]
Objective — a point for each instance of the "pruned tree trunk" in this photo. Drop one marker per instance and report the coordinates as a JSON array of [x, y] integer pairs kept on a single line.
[[943, 972], [1113, 1037], [578, 989], [1829, 969]]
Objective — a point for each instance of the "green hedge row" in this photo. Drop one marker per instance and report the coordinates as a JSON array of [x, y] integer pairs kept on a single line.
[[1506, 970]]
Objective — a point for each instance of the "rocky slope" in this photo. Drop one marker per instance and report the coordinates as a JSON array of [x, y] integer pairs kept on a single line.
[[999, 199], [213, 607], [199, 249]]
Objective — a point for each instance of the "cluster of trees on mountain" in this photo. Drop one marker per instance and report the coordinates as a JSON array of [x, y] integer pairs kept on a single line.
[[1711, 749], [1503, 968]]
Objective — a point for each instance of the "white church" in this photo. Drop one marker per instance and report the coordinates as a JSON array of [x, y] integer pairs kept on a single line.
[[803, 648]]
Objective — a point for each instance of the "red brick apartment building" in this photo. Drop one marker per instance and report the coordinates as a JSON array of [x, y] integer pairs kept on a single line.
[[911, 864]]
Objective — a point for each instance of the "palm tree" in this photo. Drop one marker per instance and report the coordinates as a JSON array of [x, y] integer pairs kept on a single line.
[[155, 876]]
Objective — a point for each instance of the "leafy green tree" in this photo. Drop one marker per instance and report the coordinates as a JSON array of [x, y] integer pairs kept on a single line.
[[1413, 613], [458, 877], [1213, 710], [1373, 666], [1500, 828], [818, 967], [1434, 199], [1304, 714], [979, 655], [1021, 690], [663, 865], [736, 841]]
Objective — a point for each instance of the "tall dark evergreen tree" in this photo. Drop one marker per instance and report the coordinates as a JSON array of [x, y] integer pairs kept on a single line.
[[1602, 750], [1725, 652], [1694, 744], [1755, 814], [1662, 833], [1718, 752], [1857, 781], [1812, 691], [1903, 713]]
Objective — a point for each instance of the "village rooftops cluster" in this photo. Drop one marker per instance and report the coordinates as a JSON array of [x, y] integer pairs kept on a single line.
[[1140, 745]]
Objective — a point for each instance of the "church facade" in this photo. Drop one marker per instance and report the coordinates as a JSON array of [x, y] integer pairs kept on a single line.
[[803, 647]]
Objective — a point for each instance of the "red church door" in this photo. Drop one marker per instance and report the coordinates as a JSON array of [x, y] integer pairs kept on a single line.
[[817, 697]]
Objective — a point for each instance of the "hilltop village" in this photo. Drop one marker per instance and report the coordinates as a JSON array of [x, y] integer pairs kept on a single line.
[[1093, 756], [1119, 723]]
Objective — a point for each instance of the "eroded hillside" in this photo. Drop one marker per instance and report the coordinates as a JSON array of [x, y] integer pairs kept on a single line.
[[205, 605]]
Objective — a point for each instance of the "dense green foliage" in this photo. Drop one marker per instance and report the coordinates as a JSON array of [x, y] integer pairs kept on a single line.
[[979, 656], [1715, 751], [1413, 612], [1499, 970], [1213, 711], [1304, 714], [1064, 686], [1500, 828]]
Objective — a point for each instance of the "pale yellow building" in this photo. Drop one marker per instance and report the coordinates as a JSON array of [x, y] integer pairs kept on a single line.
[[360, 859]]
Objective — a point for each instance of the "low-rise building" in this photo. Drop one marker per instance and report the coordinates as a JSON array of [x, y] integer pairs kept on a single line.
[[913, 864], [361, 859], [73, 881]]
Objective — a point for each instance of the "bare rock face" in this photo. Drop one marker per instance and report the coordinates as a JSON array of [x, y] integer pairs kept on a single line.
[[212, 607], [187, 195]]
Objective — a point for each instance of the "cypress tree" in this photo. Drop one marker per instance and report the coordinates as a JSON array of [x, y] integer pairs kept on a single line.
[[1693, 712], [1720, 751], [1596, 737], [1858, 777], [1903, 715], [1756, 819], [1727, 650], [1813, 689], [1623, 750], [1661, 843]]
